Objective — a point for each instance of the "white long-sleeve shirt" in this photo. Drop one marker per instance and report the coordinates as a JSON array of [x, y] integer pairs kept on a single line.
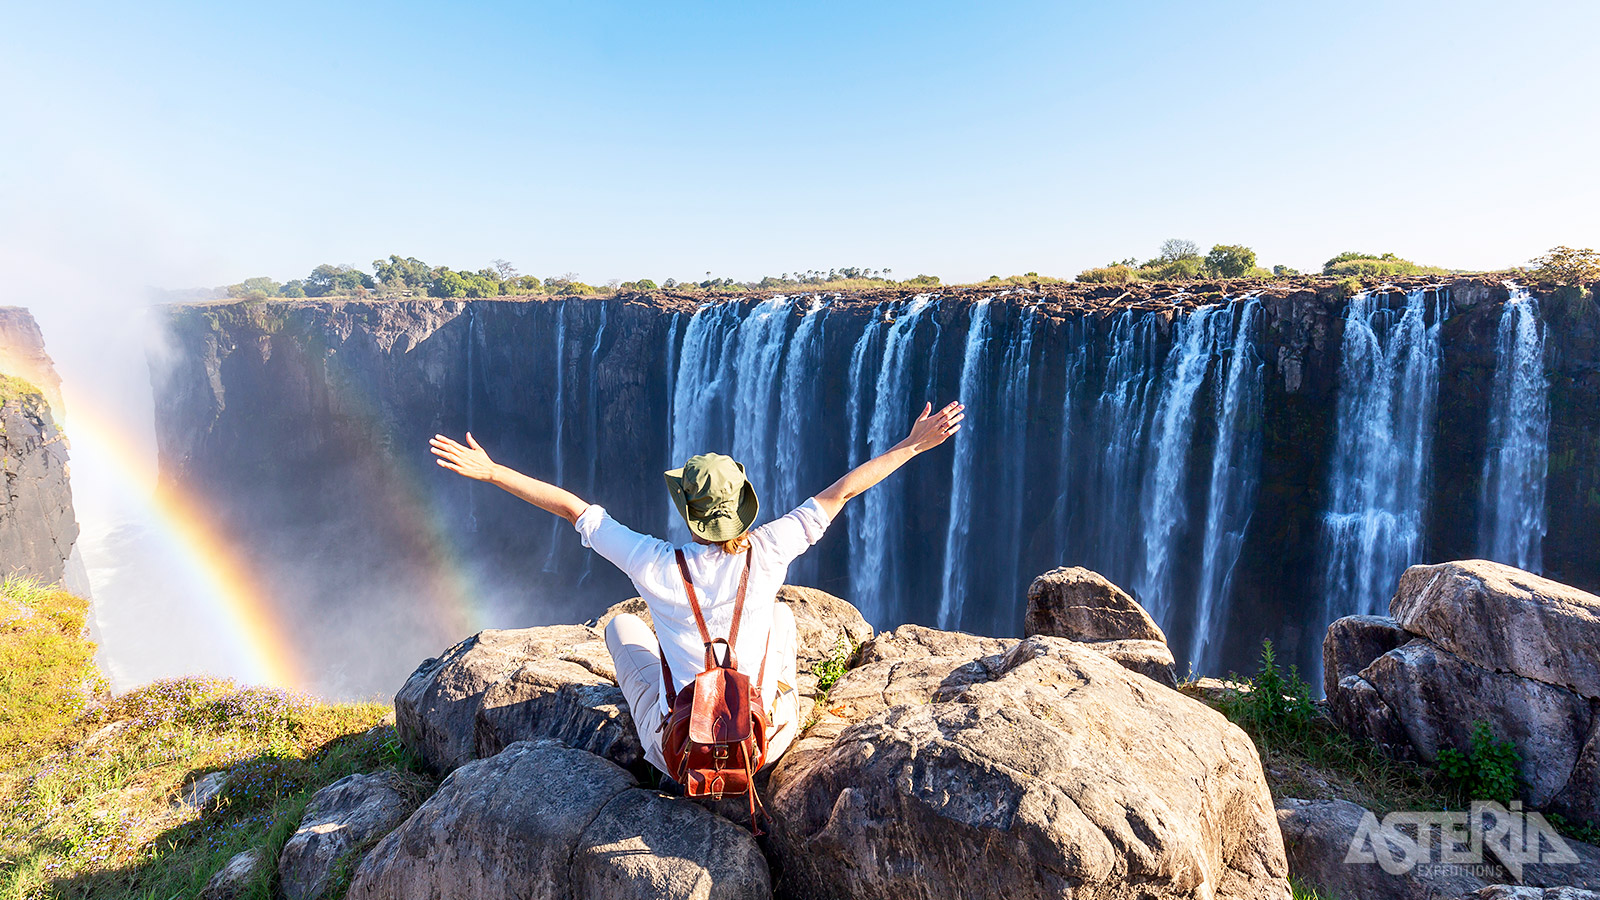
[[652, 565]]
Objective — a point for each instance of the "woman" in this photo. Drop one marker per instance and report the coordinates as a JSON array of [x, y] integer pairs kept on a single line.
[[719, 505]]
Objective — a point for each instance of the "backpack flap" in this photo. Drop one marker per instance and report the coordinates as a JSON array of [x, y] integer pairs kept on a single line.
[[721, 713]]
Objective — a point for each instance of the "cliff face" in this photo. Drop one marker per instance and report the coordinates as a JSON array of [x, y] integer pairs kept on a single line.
[[37, 525], [1185, 447]]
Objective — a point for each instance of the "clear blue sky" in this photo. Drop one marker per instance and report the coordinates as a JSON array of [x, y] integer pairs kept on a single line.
[[189, 143]]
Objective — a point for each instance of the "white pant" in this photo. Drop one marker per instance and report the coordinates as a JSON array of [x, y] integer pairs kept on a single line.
[[637, 657]]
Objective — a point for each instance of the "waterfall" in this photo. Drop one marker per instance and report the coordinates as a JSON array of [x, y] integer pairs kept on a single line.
[[1163, 507], [674, 330], [1511, 521], [473, 336], [760, 341], [952, 599], [1235, 475], [1015, 368], [592, 416], [558, 418], [875, 547], [801, 364], [1078, 342], [1383, 439], [1121, 415], [702, 379]]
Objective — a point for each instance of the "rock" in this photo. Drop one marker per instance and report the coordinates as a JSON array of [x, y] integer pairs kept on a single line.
[[1081, 605], [1579, 798], [1506, 620], [911, 641], [1061, 774], [203, 790], [1436, 697], [1358, 708], [1579, 870], [541, 821], [1318, 834], [1152, 659], [554, 698], [1352, 643], [1524, 892], [648, 845], [342, 818], [436, 709], [235, 879], [820, 620]]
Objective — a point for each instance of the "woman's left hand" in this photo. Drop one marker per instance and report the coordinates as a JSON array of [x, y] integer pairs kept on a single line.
[[469, 460]]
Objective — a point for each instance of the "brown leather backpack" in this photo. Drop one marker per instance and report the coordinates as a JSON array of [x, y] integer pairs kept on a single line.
[[716, 732]]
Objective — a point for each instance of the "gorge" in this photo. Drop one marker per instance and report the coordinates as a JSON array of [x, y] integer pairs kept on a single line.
[[1249, 461]]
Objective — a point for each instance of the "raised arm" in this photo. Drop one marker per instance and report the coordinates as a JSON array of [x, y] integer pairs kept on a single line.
[[929, 431], [471, 460]]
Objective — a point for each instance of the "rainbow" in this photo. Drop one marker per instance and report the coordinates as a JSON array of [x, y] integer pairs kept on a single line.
[[263, 652]]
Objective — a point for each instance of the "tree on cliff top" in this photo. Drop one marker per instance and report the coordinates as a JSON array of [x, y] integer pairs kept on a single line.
[[329, 279], [1566, 265], [1231, 260]]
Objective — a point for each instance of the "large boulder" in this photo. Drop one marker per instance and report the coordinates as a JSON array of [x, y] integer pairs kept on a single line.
[[1082, 605], [436, 710], [1504, 619], [1056, 772], [341, 819], [1352, 643], [913, 641], [560, 699], [1318, 836], [543, 821], [1437, 697]]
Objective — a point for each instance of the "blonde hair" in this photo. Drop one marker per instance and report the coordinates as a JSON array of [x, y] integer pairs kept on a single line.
[[738, 545]]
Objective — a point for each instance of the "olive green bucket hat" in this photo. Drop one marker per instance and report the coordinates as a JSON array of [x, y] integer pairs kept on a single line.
[[714, 496]]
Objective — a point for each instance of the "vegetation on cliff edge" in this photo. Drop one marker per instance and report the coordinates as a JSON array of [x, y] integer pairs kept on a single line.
[[92, 795]]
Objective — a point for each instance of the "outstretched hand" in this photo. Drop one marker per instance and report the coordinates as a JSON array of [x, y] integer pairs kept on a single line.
[[932, 428], [469, 460]]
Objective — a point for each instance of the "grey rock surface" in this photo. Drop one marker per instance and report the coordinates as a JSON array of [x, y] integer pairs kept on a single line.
[[1506, 620], [541, 821], [1317, 835], [1352, 643], [1083, 605], [555, 698], [342, 818], [234, 879], [1059, 774]]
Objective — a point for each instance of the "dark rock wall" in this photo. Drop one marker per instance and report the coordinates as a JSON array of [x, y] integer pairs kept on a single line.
[[305, 424], [37, 524]]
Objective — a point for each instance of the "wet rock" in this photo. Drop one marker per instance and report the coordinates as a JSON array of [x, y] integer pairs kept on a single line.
[[343, 818], [1082, 605], [234, 880], [1506, 620], [1061, 773]]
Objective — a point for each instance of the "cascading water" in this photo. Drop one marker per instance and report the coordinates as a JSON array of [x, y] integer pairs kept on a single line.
[[557, 426], [801, 364], [592, 417], [761, 339], [1012, 406], [1383, 440], [875, 545], [1512, 501], [1119, 424], [953, 597], [1235, 475], [1163, 507]]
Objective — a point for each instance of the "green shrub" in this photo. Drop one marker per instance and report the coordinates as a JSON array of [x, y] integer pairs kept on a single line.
[[1277, 708], [1486, 771], [830, 670], [1113, 274], [47, 671], [1349, 287], [1567, 266], [1230, 260]]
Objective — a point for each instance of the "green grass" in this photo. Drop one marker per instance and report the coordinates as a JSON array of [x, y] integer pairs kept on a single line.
[[1306, 755], [831, 669], [1303, 890], [13, 388], [87, 803]]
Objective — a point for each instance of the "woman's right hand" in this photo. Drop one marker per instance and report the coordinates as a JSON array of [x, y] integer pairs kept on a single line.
[[469, 460]]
